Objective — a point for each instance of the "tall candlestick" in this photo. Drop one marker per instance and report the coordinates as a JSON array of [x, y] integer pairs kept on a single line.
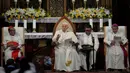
[[91, 22], [34, 25], [85, 3], [109, 22], [73, 0], [97, 0], [40, 0], [16, 23], [27, 0], [15, 0], [25, 24], [101, 23]]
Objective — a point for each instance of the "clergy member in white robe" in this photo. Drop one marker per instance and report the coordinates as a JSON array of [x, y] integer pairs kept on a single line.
[[66, 56], [12, 43], [114, 52], [88, 38]]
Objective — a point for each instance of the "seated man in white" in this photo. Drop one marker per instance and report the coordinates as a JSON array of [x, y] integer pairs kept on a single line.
[[66, 56], [114, 51], [12, 44], [88, 45]]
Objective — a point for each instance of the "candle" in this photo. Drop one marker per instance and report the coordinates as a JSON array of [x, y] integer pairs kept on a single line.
[[16, 23], [15, 0], [40, 0], [34, 23], [25, 24], [109, 22], [73, 0], [101, 23], [85, 0], [91, 22], [97, 0], [27, 0]]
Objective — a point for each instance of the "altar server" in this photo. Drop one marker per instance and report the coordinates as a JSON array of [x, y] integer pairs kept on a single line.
[[88, 53]]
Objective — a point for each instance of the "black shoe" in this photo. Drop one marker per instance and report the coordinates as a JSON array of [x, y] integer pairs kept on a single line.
[[92, 70], [62, 71], [57, 70], [76, 71], [120, 70], [82, 69], [110, 69]]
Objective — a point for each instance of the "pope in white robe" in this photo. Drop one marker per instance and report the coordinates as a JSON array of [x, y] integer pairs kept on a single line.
[[88, 38], [114, 52], [66, 56], [12, 44]]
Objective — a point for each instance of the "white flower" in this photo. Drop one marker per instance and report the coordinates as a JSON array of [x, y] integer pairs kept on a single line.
[[89, 13], [107, 11], [22, 11], [25, 13]]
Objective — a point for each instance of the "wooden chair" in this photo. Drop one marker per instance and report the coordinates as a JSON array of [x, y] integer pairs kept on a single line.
[[58, 26], [123, 31], [19, 31]]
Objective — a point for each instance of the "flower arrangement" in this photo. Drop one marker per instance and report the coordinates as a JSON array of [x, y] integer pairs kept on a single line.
[[18, 13], [40, 13], [14, 13], [90, 13]]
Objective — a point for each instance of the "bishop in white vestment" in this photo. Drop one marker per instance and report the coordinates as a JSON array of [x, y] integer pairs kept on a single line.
[[66, 56], [12, 43], [114, 52], [88, 39]]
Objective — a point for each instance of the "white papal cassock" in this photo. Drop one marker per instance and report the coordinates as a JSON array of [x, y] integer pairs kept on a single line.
[[8, 51], [66, 56], [87, 40], [114, 54]]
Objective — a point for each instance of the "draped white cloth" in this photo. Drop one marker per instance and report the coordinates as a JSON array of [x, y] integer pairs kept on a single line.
[[114, 53], [66, 57], [8, 51], [87, 40]]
